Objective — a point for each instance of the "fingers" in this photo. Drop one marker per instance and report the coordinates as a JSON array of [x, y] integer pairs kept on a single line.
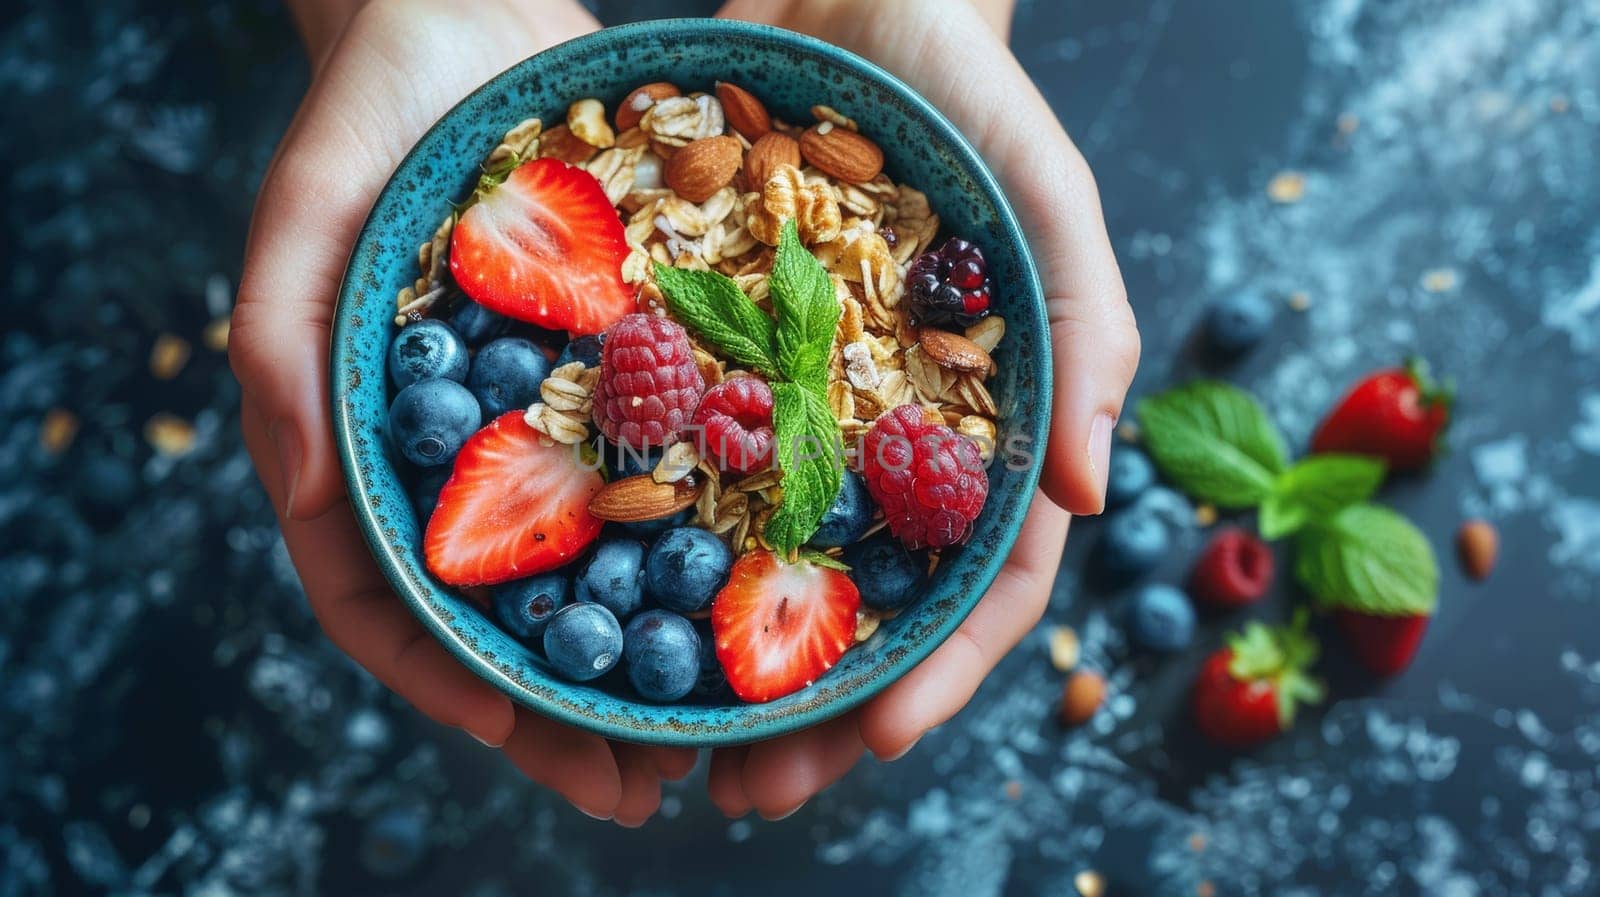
[[725, 783], [369, 104], [578, 766], [780, 775], [641, 784], [675, 764], [364, 618], [941, 685]]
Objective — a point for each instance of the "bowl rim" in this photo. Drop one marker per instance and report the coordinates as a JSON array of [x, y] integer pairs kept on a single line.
[[386, 556]]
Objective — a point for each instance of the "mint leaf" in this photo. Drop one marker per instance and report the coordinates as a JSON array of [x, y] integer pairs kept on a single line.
[[823, 560], [1317, 487], [720, 313], [807, 309], [1213, 442], [1367, 558], [805, 436]]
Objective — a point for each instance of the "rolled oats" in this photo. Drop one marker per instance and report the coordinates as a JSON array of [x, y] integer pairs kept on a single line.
[[567, 428], [615, 169], [833, 116], [519, 143], [988, 332]]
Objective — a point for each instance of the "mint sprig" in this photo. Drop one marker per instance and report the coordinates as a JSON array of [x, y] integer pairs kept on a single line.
[[1316, 488], [808, 311], [792, 353], [1214, 442], [1369, 559], [804, 432], [714, 307]]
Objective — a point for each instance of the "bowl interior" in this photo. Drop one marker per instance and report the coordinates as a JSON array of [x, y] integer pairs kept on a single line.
[[790, 73]]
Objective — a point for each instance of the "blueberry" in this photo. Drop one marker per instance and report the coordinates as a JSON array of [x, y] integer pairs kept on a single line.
[[1132, 544], [476, 324], [425, 491], [427, 349], [685, 569], [1160, 618], [1235, 324], [662, 651], [395, 842], [1131, 473], [712, 682], [888, 576], [430, 420], [524, 606], [649, 529], [614, 577], [582, 641], [506, 375], [849, 516], [585, 349]]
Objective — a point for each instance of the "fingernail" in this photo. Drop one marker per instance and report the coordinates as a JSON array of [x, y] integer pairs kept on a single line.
[[285, 438], [484, 741], [1100, 451], [785, 814], [903, 751], [601, 817]]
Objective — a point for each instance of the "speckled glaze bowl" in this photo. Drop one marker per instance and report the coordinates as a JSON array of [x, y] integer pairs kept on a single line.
[[790, 73]]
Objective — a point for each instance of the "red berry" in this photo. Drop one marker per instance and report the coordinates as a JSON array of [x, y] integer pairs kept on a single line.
[[735, 418], [928, 479], [544, 246], [1234, 570], [950, 284], [649, 383], [1384, 645], [514, 505], [779, 625], [1398, 414], [1248, 692]]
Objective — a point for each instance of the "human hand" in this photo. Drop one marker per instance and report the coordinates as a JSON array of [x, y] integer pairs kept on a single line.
[[951, 53], [382, 74]]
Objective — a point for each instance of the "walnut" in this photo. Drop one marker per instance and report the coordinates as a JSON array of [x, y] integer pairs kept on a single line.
[[787, 195]]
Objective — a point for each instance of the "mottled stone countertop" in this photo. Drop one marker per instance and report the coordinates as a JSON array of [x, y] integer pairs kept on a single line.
[[171, 720]]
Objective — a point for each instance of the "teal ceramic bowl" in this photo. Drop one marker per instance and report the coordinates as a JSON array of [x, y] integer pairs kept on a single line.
[[790, 73]]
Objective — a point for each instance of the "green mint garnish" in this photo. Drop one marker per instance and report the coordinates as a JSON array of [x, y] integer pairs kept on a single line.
[[808, 311], [1315, 489], [793, 354], [1213, 442], [720, 313], [1367, 558]]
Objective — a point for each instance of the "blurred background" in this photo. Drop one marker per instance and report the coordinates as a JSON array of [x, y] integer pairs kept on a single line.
[[1400, 176]]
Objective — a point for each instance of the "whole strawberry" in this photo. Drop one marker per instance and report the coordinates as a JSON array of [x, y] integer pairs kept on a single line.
[[1384, 645], [1398, 414], [928, 479], [1247, 692], [649, 383]]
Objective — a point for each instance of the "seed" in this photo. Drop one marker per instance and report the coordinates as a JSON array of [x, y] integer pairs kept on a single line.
[[1478, 543], [1081, 697], [1064, 648]]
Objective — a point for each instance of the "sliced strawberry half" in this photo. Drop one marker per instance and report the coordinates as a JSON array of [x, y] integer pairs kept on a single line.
[[513, 506], [779, 625], [544, 246]]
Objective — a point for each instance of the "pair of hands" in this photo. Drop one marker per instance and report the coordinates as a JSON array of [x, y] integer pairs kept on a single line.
[[382, 74]]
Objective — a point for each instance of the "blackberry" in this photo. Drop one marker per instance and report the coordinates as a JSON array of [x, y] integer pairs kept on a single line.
[[949, 285]]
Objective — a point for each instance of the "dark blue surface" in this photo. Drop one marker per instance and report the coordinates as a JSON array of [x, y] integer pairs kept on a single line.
[[172, 722]]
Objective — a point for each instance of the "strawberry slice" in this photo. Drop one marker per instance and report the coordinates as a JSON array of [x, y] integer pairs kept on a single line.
[[544, 246], [779, 625], [513, 506]]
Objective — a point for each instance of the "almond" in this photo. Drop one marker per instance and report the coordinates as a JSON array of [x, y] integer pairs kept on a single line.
[[633, 106], [560, 143], [841, 153], [1479, 545], [1081, 697], [954, 352], [767, 155], [703, 167], [638, 498], [743, 111]]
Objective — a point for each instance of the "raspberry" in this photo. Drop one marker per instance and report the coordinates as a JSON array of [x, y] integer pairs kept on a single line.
[[649, 384], [928, 479], [950, 285], [1234, 570], [736, 421]]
